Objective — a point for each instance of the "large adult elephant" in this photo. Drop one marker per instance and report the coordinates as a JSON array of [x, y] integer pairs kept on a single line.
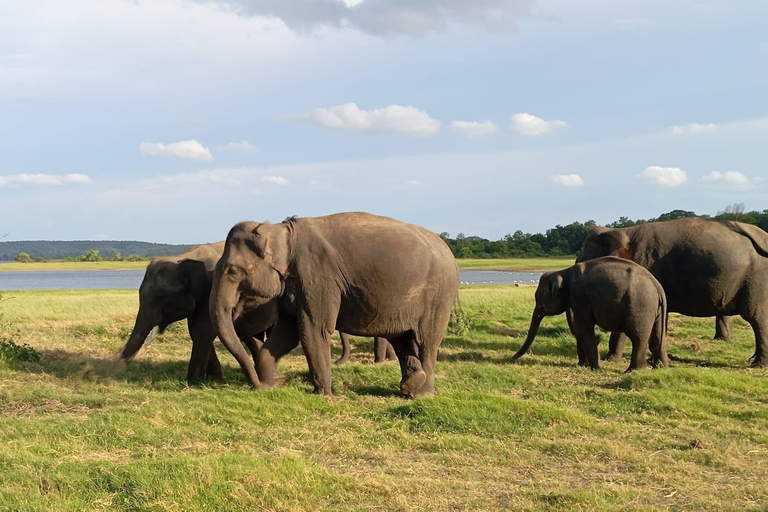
[[178, 287], [359, 273], [707, 268]]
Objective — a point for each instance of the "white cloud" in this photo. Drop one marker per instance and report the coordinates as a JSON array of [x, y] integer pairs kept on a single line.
[[414, 18], [413, 183], [189, 149], [242, 146], [731, 180], [693, 128], [530, 125], [392, 119], [276, 180], [568, 180], [474, 129], [664, 176], [43, 179]]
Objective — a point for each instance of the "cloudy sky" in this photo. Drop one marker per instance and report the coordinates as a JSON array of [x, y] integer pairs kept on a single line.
[[171, 120]]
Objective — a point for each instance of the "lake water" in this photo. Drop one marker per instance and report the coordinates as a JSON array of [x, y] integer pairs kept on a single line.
[[131, 279]]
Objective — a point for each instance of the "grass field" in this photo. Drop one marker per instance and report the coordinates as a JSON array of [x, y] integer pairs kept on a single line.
[[79, 432], [516, 263]]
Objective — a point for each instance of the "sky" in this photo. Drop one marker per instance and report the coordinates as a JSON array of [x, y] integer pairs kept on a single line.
[[171, 120]]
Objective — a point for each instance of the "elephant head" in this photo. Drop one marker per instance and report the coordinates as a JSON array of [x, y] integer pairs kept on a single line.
[[253, 270], [551, 299], [601, 241], [169, 292]]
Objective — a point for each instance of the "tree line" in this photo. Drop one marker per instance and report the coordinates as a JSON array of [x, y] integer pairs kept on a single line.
[[567, 240], [59, 250]]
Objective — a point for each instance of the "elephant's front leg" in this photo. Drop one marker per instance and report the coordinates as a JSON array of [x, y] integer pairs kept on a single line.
[[579, 348], [281, 340], [616, 347], [316, 342], [723, 328], [203, 363], [584, 329]]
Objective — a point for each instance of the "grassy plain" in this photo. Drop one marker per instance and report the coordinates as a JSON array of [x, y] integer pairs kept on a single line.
[[516, 263], [79, 432]]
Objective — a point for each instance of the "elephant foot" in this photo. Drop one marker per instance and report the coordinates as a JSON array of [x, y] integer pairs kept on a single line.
[[613, 358], [411, 386], [722, 337], [761, 362], [342, 360], [426, 390], [323, 391]]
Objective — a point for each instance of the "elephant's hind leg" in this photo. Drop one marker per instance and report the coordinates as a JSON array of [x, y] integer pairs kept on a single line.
[[413, 375], [639, 338], [345, 349], [616, 347], [383, 350], [723, 328]]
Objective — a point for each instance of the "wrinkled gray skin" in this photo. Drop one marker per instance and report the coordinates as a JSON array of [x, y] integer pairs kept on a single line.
[[612, 293], [707, 268], [178, 287], [359, 273]]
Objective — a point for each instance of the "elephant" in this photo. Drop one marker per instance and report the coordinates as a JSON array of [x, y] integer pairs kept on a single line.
[[707, 268], [354, 272], [613, 293], [178, 287]]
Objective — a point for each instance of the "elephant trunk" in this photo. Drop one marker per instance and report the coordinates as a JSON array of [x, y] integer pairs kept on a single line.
[[144, 331], [224, 296], [534, 328]]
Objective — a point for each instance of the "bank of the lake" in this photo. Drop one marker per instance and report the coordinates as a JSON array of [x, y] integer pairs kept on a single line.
[[507, 264]]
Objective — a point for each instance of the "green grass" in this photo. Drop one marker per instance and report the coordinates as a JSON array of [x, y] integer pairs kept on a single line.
[[516, 263], [81, 432], [74, 265]]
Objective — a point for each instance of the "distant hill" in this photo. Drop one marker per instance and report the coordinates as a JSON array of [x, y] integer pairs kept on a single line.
[[56, 250]]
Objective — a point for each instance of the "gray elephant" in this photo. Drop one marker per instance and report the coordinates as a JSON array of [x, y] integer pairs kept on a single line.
[[356, 272], [613, 293], [178, 287], [707, 268]]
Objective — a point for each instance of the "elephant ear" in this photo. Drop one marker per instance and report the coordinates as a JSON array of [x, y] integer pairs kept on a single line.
[[555, 284], [198, 283], [274, 242]]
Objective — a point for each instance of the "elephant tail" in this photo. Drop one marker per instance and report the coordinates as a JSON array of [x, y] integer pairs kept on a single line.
[[757, 236]]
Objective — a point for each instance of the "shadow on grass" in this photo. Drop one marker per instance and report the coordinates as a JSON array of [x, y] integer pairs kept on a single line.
[[68, 365]]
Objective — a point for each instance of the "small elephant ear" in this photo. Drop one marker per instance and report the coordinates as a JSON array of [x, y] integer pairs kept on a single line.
[[198, 281], [614, 243], [555, 284]]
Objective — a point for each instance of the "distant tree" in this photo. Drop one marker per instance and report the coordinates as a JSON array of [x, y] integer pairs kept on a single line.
[[91, 255], [117, 256], [675, 214], [23, 257]]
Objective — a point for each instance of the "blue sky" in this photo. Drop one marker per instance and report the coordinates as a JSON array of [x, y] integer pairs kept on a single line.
[[171, 120]]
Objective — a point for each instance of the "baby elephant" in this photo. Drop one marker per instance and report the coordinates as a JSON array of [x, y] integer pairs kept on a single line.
[[616, 294]]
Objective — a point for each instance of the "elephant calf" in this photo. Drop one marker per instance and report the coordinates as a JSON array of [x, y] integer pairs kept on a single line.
[[613, 293]]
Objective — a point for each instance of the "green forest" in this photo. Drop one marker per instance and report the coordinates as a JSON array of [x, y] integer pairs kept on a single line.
[[106, 249], [566, 240]]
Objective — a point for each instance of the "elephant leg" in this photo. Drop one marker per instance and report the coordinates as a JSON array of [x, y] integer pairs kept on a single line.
[[283, 338], [723, 328], [639, 348], [584, 329], [413, 375], [203, 362], [316, 342], [345, 350], [579, 348], [658, 345], [616, 347], [428, 356], [383, 350], [254, 344], [760, 357]]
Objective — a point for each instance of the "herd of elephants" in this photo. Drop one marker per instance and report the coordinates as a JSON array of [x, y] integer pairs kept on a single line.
[[271, 287]]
